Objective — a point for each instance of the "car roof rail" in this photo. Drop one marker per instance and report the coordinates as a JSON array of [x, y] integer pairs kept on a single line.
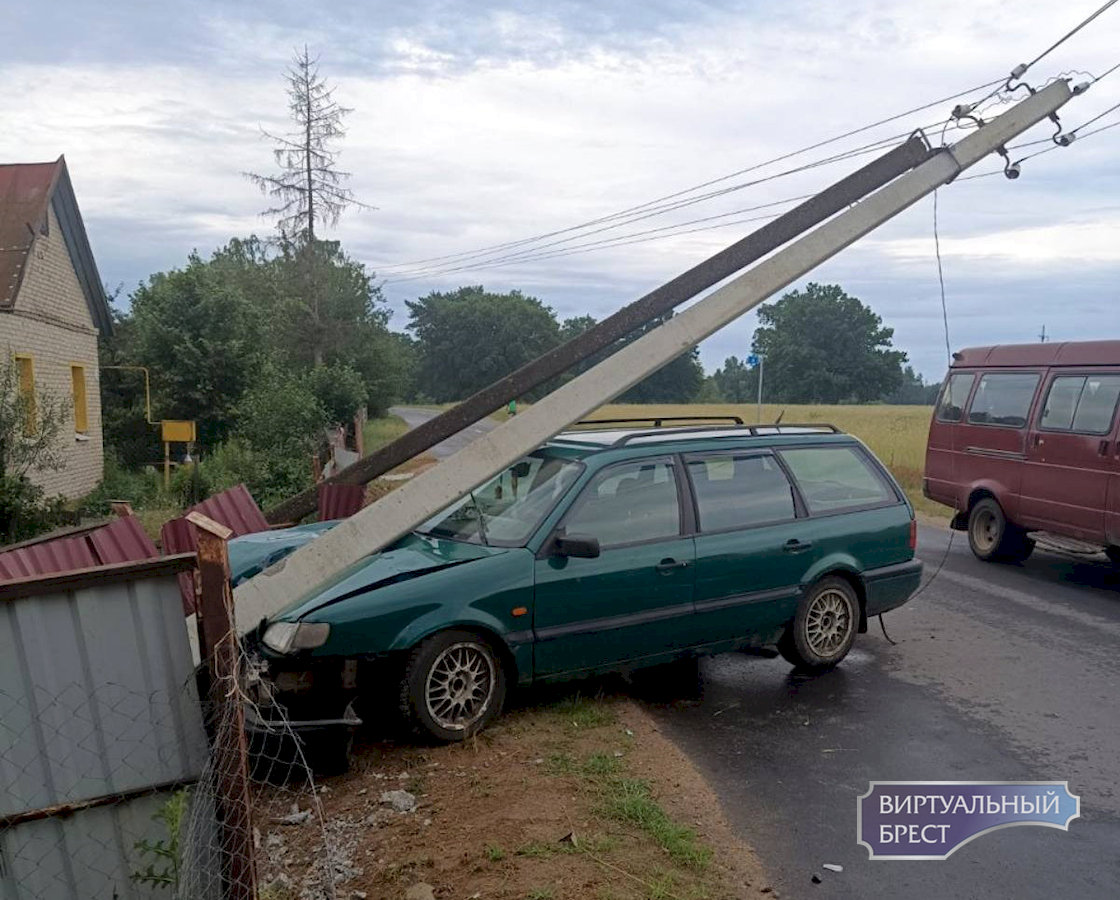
[[732, 431], [659, 420]]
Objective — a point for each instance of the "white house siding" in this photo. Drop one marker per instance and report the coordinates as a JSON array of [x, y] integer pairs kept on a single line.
[[52, 324]]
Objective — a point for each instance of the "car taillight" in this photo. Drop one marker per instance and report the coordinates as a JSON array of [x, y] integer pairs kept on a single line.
[[913, 534]]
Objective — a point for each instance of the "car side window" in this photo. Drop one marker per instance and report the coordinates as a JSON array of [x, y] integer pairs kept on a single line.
[[1003, 399], [836, 478], [950, 407], [1085, 404], [627, 504], [740, 491]]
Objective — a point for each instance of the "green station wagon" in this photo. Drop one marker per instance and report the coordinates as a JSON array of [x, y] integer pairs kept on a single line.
[[607, 549]]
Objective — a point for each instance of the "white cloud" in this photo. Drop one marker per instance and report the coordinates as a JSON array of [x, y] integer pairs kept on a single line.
[[481, 127]]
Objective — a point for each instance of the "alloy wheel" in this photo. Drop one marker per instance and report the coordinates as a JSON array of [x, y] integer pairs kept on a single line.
[[460, 685]]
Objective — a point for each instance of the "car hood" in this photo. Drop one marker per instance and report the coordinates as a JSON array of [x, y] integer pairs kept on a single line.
[[251, 554], [410, 557]]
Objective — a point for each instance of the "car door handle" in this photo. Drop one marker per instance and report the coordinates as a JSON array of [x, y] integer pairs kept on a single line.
[[793, 545], [670, 564]]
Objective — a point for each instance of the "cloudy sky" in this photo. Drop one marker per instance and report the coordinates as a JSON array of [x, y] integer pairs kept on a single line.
[[481, 124]]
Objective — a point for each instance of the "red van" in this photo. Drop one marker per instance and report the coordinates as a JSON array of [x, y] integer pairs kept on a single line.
[[1024, 440]]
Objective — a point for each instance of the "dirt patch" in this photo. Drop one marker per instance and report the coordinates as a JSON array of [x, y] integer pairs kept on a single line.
[[581, 798]]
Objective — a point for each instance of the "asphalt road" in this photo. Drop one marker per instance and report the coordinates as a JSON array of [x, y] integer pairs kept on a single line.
[[999, 673], [415, 415]]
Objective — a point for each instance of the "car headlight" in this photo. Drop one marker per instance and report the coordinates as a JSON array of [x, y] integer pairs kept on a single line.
[[287, 637]]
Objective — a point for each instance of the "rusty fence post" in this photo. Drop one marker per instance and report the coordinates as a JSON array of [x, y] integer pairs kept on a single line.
[[218, 646]]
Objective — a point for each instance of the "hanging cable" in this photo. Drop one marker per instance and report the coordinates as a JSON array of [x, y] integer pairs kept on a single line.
[[1104, 8], [701, 186], [485, 259]]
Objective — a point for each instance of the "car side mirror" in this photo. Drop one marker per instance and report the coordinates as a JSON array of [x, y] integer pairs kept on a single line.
[[581, 546]]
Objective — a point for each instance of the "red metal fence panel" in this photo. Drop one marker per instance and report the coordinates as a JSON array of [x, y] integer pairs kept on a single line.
[[340, 501]]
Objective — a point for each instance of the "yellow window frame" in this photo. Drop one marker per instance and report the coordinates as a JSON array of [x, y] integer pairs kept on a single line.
[[78, 395], [25, 366]]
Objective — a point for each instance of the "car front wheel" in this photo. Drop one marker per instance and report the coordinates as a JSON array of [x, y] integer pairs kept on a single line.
[[454, 685], [824, 628]]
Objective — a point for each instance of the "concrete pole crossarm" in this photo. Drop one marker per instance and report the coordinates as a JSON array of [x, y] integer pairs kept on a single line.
[[617, 326], [397, 513]]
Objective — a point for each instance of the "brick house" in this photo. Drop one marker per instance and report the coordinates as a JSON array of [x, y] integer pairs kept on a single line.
[[52, 310]]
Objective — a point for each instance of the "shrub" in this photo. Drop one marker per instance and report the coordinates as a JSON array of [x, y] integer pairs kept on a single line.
[[25, 510]]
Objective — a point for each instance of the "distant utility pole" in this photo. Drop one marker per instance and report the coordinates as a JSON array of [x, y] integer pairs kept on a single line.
[[1042, 335], [759, 360]]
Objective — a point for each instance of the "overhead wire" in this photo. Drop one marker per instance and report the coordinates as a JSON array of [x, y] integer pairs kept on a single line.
[[485, 260], [532, 248], [681, 193]]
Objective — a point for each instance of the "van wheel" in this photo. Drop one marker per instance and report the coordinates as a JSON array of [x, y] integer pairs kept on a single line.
[[454, 684], [1113, 554], [824, 627], [992, 538]]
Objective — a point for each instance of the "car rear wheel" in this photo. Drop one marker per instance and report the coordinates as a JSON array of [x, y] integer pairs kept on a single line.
[[454, 684], [1113, 554], [824, 628], [992, 538]]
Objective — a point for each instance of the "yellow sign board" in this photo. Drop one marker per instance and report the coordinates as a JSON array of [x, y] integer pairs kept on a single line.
[[177, 431]]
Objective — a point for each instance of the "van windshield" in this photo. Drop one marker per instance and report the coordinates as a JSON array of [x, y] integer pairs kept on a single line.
[[508, 509]]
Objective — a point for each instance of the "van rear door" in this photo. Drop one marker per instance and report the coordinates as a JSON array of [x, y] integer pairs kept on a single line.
[[1070, 454]]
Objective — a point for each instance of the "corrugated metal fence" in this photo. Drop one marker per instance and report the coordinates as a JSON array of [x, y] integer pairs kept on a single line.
[[99, 726]]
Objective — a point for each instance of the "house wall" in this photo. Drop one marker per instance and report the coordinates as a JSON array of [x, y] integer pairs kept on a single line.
[[52, 324]]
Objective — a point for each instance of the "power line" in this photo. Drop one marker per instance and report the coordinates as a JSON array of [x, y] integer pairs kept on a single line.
[[1104, 8], [483, 259], [1096, 118], [701, 186]]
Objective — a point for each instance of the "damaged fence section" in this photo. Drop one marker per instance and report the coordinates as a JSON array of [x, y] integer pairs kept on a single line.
[[127, 773], [100, 729]]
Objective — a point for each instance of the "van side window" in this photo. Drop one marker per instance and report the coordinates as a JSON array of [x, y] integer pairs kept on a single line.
[[954, 395], [1003, 400], [1082, 403]]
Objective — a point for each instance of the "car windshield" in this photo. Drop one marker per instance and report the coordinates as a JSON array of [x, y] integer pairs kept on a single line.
[[506, 510]]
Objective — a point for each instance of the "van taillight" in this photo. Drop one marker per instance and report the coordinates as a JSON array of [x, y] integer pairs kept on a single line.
[[913, 534]]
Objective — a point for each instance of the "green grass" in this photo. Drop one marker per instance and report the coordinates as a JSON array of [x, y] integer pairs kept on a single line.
[[541, 893], [379, 432], [629, 800], [584, 712], [494, 853]]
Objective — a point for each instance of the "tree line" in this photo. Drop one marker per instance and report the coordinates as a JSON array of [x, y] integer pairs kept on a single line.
[[270, 340]]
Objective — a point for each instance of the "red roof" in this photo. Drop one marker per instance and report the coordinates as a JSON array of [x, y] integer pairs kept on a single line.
[[28, 193], [1067, 353], [25, 193]]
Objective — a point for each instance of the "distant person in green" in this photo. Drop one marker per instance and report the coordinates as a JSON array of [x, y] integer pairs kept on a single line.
[[512, 409]]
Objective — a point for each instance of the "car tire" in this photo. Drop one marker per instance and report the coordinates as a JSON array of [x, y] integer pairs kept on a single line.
[[992, 538], [1113, 554], [454, 685], [824, 627]]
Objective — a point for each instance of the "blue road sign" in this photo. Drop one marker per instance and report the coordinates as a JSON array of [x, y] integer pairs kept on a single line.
[[752, 360]]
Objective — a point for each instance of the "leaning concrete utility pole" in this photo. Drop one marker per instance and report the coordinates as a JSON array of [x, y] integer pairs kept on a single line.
[[402, 510], [617, 326]]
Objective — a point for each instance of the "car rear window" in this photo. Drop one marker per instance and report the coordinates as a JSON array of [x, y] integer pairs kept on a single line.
[[950, 408], [1082, 403], [1003, 399], [836, 478], [740, 491]]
